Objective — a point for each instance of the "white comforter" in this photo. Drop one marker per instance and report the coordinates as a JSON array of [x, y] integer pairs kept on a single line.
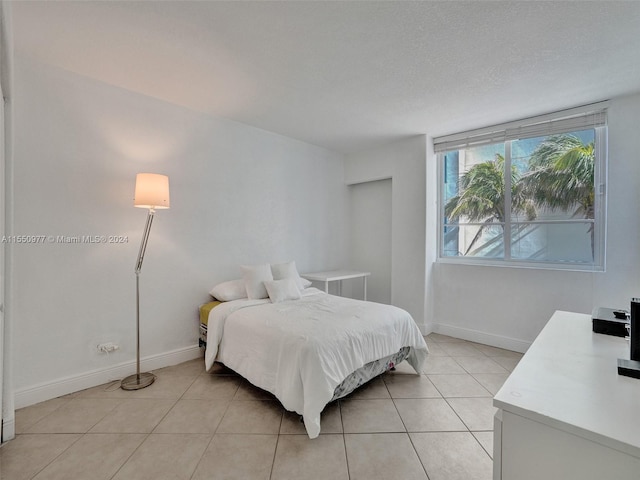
[[301, 350]]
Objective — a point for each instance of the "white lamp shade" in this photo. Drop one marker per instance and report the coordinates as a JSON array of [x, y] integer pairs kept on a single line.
[[152, 191]]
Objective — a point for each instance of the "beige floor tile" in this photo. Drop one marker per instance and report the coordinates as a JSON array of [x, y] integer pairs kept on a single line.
[[106, 390], [173, 386], [187, 406], [165, 456], [69, 395], [26, 455], [428, 415], [292, 424], [208, 387], [491, 381], [192, 368], [94, 456], [375, 388], [220, 369], [410, 386], [237, 457], [442, 365], [458, 386], [76, 416], [330, 421], [497, 352], [480, 365], [193, 416], [252, 416], [29, 416], [461, 349], [439, 338], [486, 440], [382, 457], [298, 457], [137, 415], [507, 362], [370, 416], [248, 391], [403, 368], [435, 350], [452, 456], [476, 413]]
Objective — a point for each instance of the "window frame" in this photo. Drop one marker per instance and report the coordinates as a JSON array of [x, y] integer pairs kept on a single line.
[[600, 193]]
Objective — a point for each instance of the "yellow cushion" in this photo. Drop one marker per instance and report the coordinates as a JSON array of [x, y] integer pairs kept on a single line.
[[205, 309]]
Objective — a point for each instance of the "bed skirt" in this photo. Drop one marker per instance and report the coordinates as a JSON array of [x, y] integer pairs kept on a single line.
[[369, 372]]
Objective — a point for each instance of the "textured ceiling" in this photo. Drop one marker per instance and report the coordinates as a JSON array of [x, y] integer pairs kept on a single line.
[[346, 75]]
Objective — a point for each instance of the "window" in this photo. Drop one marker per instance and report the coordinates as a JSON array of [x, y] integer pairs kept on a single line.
[[528, 193]]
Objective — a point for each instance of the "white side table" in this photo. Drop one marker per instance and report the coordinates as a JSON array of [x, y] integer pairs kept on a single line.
[[337, 275]]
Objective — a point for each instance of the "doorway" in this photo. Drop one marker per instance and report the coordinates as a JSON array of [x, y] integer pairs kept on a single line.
[[370, 237]]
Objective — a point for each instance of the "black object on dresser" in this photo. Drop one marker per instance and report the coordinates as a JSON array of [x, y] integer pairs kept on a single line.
[[631, 367], [608, 321], [635, 329]]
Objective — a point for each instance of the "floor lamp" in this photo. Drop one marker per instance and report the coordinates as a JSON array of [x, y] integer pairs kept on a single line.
[[152, 192]]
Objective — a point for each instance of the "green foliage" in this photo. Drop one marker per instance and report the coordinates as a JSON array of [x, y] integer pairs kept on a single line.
[[481, 196], [560, 177]]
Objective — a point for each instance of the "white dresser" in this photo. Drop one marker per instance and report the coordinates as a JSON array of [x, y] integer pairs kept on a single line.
[[565, 413]]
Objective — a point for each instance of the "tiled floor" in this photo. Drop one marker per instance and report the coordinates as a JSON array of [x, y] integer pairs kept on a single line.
[[194, 425]]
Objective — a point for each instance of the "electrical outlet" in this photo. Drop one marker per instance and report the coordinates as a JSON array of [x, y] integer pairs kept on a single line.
[[107, 347]]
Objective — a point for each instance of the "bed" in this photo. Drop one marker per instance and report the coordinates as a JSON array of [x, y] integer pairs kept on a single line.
[[356, 379], [310, 350]]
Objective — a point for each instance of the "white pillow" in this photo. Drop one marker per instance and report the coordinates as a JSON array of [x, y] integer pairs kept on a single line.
[[227, 291], [281, 271], [254, 277], [281, 290]]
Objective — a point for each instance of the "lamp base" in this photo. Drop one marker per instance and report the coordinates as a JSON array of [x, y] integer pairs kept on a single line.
[[136, 382]]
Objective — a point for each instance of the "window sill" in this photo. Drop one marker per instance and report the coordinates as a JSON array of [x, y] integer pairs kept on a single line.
[[568, 267]]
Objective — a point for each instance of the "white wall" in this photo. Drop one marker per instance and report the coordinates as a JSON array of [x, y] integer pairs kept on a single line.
[[502, 306], [239, 195], [509, 306], [404, 163]]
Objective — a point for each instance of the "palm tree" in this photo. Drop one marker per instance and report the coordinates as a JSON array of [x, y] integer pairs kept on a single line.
[[481, 197], [561, 175]]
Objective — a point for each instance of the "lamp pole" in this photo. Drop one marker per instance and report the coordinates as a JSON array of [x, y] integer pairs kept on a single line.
[[152, 192], [140, 380]]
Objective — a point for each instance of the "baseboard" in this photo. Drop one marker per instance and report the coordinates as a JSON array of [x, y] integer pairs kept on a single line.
[[8, 429], [475, 336], [482, 337], [63, 386]]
